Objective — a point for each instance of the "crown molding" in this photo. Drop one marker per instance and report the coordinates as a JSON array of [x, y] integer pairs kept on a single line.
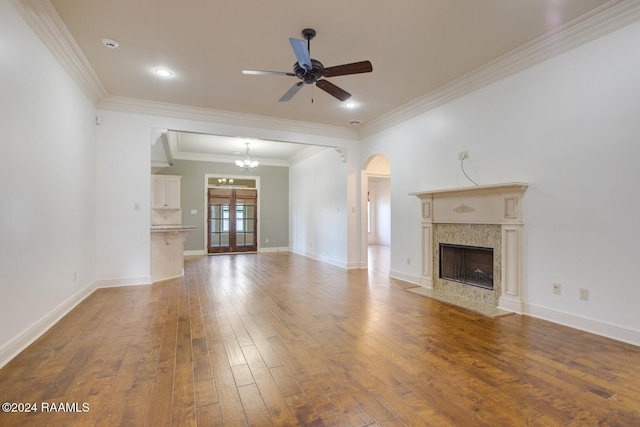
[[605, 19], [140, 106], [217, 158], [305, 154], [47, 25]]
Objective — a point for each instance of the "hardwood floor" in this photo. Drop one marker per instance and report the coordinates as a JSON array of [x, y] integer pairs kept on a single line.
[[279, 339]]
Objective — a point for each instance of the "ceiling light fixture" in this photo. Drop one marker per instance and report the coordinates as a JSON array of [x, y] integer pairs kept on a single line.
[[247, 163], [350, 105], [162, 72]]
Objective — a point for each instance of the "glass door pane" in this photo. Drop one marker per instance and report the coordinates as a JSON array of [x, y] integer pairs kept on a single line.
[[219, 219], [232, 220]]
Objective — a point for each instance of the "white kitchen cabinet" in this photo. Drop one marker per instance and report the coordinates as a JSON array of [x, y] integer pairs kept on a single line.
[[165, 191]]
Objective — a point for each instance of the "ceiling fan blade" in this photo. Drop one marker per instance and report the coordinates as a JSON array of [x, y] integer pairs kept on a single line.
[[302, 53], [294, 89], [333, 90], [267, 73], [343, 70]]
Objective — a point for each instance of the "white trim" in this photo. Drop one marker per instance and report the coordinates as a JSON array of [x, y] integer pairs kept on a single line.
[[335, 262], [586, 324], [306, 153], [125, 281], [199, 157], [195, 253], [20, 342], [274, 250], [356, 265], [605, 19], [140, 106], [409, 278]]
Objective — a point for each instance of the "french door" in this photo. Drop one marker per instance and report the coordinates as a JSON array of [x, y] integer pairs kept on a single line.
[[232, 220]]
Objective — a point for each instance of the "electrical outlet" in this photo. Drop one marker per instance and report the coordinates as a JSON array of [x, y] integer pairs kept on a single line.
[[408, 261], [266, 240], [463, 155], [557, 289], [584, 294]]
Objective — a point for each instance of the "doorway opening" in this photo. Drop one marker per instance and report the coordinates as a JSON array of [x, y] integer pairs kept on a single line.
[[377, 220]]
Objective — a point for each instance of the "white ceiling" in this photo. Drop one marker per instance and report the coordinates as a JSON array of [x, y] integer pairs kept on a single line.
[[416, 47]]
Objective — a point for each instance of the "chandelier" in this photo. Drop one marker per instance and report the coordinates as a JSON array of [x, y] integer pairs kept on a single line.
[[247, 163]]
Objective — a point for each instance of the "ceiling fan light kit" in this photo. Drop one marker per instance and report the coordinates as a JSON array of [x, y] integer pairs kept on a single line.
[[311, 71]]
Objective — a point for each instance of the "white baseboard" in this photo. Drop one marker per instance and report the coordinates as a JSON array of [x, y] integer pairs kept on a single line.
[[608, 330], [357, 265], [410, 278], [32, 333], [268, 250], [326, 260], [129, 281], [194, 253]]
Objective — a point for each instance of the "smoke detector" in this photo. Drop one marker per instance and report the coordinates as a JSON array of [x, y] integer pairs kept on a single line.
[[110, 44]]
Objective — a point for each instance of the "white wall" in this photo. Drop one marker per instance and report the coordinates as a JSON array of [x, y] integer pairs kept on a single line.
[[570, 128], [318, 208], [123, 199], [47, 187]]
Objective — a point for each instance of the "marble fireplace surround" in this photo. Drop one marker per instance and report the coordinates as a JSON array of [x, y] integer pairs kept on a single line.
[[485, 215]]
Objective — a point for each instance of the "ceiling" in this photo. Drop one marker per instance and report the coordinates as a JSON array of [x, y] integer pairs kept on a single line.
[[415, 46], [420, 50]]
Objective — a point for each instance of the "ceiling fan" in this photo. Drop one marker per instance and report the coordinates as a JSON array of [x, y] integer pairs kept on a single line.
[[311, 71]]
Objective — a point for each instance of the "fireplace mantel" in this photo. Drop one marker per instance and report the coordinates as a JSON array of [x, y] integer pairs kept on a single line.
[[483, 204], [497, 204]]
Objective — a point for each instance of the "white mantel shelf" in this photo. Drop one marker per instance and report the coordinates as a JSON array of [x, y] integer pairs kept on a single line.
[[479, 189], [499, 204]]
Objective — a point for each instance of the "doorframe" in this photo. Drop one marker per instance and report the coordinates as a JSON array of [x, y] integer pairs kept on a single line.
[[206, 201]]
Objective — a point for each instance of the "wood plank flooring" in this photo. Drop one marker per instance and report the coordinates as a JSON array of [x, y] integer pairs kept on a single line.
[[279, 339]]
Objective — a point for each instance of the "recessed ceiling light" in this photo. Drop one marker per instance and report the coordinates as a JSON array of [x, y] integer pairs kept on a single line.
[[110, 44], [350, 105], [162, 72]]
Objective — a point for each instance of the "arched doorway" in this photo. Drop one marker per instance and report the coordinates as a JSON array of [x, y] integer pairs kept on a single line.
[[377, 212]]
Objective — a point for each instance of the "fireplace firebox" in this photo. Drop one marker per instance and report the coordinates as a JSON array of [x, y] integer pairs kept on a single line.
[[470, 265]]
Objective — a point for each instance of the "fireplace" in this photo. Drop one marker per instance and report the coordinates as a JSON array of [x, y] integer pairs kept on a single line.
[[470, 265], [471, 245]]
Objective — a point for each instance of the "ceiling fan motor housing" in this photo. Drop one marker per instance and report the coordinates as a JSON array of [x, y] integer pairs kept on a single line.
[[309, 76]]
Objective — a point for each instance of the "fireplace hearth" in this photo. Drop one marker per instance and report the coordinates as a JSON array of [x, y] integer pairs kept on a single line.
[[470, 265]]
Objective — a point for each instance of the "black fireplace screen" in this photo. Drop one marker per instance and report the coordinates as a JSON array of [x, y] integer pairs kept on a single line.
[[467, 264]]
